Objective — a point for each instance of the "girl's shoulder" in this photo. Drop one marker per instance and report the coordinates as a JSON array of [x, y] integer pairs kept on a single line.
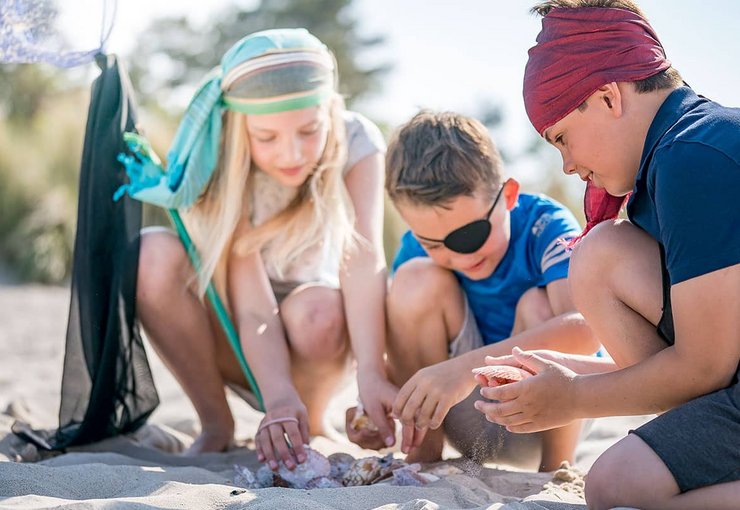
[[364, 138]]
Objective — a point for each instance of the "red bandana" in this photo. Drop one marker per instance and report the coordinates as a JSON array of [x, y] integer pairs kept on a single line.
[[579, 50]]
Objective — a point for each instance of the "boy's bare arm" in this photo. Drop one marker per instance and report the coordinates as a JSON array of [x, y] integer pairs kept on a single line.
[[447, 383], [566, 332], [704, 358]]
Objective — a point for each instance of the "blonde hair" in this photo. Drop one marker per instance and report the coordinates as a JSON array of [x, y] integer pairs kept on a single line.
[[321, 202]]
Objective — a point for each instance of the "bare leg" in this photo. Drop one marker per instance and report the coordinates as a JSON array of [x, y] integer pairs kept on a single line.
[[426, 311], [558, 444], [631, 474], [314, 319], [615, 281], [177, 324]]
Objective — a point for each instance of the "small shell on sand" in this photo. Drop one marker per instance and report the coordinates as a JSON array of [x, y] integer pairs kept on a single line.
[[501, 374], [361, 421], [316, 466]]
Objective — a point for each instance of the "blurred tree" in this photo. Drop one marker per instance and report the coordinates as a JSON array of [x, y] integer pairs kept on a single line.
[[23, 88], [172, 53]]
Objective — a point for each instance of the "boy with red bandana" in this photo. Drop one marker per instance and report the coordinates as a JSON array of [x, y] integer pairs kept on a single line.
[[662, 290]]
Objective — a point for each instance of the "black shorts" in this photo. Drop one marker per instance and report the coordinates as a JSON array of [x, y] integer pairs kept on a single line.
[[699, 441]]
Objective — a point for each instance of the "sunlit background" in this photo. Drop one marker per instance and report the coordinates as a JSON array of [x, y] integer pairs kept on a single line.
[[463, 55]]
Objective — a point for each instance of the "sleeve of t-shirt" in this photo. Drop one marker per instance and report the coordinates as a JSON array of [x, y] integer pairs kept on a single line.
[[554, 225], [363, 139], [696, 199], [408, 249]]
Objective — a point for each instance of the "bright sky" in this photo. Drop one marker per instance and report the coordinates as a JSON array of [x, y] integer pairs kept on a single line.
[[458, 54]]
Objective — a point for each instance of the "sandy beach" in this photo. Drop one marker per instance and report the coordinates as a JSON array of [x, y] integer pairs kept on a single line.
[[145, 470]]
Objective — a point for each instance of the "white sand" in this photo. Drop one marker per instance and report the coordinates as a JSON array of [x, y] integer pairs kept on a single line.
[[137, 472]]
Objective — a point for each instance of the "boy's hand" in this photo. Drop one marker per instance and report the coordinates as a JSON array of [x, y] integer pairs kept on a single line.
[[426, 398], [377, 395], [511, 360], [536, 403]]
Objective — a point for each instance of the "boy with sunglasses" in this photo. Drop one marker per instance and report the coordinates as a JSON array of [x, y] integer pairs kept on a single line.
[[482, 269]]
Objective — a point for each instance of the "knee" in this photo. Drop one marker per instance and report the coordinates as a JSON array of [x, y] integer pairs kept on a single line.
[[417, 289], [533, 308], [161, 257], [602, 484], [316, 328], [596, 257]]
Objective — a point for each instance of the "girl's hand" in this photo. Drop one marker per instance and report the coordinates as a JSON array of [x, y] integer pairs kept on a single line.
[[537, 403], [377, 395], [426, 398], [283, 432]]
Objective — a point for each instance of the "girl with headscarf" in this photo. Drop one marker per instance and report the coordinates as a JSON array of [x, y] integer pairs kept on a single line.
[[282, 193]]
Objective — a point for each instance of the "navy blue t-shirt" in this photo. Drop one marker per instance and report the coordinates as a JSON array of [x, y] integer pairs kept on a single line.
[[535, 257], [687, 192]]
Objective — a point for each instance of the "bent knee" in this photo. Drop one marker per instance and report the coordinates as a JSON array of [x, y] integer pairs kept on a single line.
[[316, 327], [533, 308], [419, 287], [161, 262]]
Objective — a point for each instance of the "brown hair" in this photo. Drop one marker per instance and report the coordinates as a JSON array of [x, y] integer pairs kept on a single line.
[[436, 157], [667, 79]]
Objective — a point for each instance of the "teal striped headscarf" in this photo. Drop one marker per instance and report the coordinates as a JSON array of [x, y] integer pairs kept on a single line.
[[265, 72]]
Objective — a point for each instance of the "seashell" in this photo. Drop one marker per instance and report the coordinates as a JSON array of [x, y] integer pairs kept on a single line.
[[323, 482], [265, 477], [368, 470], [340, 463], [444, 470], [245, 478], [408, 476], [502, 374], [361, 421], [316, 466]]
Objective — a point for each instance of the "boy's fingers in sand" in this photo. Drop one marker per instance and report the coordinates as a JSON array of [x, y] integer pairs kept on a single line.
[[426, 412], [408, 411], [411, 437]]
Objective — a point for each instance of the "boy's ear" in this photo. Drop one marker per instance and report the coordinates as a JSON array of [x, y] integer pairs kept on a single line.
[[610, 97], [511, 192]]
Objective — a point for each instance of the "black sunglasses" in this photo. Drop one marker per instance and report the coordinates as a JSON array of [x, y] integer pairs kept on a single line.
[[470, 237]]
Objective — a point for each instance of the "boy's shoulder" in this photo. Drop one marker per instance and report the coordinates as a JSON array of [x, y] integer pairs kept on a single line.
[[535, 214], [707, 127]]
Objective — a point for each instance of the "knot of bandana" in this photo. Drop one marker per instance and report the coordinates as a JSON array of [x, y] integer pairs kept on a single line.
[[245, 81], [579, 50]]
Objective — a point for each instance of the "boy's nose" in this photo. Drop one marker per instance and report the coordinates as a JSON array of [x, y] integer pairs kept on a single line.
[[569, 168]]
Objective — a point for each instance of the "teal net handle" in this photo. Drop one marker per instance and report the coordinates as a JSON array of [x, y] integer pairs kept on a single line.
[[218, 306]]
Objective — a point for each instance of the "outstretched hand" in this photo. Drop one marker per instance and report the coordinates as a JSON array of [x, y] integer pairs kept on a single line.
[[282, 433], [424, 401], [537, 403]]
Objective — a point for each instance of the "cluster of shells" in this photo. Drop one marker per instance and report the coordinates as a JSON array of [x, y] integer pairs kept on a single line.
[[337, 470]]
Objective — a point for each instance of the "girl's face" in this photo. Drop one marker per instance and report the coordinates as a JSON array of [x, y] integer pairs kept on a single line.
[[288, 145]]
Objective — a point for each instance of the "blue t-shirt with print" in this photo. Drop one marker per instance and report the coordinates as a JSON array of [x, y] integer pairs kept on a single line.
[[686, 191], [535, 257]]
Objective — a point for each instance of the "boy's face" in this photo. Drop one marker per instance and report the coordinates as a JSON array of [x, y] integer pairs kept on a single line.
[[595, 143], [437, 223]]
